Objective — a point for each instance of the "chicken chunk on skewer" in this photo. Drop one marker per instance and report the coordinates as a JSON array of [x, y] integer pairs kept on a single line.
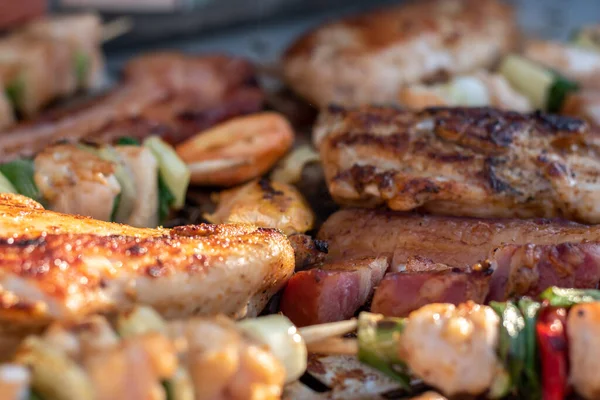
[[454, 339], [74, 181]]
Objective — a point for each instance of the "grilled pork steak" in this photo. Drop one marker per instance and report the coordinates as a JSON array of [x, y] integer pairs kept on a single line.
[[453, 241], [478, 162], [453, 259]]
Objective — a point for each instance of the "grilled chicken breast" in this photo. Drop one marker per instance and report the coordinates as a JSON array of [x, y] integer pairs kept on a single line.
[[55, 266], [478, 162], [368, 58]]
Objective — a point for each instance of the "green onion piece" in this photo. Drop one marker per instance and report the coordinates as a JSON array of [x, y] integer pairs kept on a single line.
[[174, 171], [6, 186], [166, 384], [115, 207], [558, 91], [127, 141], [20, 174], [378, 340], [165, 200], [530, 382], [511, 343], [15, 91], [558, 297], [501, 385], [82, 68]]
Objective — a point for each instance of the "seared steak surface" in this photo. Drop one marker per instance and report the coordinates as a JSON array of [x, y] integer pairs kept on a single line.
[[479, 162]]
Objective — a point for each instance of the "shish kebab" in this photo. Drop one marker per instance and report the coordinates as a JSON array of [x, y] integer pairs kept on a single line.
[[48, 59], [540, 350], [131, 182]]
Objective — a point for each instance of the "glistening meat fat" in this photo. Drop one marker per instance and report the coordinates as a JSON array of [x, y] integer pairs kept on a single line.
[[477, 162]]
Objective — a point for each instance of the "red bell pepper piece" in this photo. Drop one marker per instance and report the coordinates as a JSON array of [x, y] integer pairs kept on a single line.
[[551, 330]]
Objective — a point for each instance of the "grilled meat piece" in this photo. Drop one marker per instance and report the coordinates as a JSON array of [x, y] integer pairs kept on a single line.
[[453, 348], [83, 34], [478, 162], [123, 104], [56, 266], [425, 282], [308, 251], [453, 241], [266, 204], [451, 259], [332, 291], [509, 271], [527, 270], [74, 181], [368, 58], [149, 103]]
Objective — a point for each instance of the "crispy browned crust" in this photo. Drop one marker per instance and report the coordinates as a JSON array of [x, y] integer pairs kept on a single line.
[[478, 162], [73, 266], [367, 58]]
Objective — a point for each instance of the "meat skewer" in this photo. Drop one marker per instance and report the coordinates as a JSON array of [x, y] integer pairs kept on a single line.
[[127, 183], [470, 349], [166, 94], [51, 58]]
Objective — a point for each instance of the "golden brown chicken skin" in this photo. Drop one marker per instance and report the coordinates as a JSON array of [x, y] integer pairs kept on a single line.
[[55, 266], [266, 204], [478, 162]]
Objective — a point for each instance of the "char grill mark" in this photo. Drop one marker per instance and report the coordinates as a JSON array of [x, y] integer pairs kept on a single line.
[[478, 162]]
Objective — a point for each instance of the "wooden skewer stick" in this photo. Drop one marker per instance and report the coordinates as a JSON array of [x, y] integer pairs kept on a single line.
[[334, 345], [116, 28], [318, 333]]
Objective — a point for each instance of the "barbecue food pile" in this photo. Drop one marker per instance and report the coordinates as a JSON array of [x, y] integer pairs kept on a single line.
[[49, 59], [462, 256]]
